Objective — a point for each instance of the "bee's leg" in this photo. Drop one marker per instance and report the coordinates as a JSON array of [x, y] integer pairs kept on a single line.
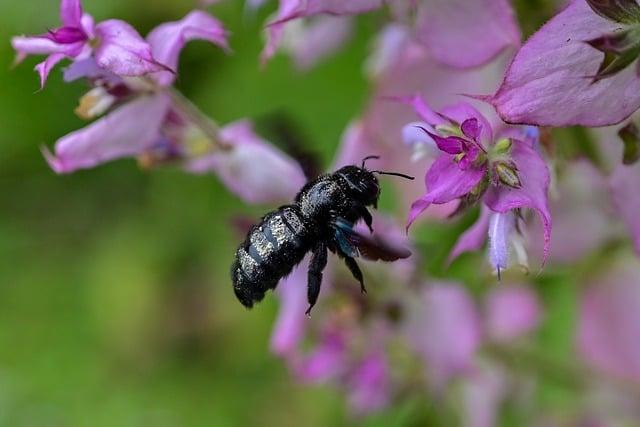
[[352, 265], [317, 264], [366, 216]]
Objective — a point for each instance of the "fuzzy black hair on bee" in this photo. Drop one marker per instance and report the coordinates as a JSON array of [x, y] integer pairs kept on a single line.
[[321, 219]]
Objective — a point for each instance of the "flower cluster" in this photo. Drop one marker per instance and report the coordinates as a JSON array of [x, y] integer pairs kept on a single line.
[[143, 116]]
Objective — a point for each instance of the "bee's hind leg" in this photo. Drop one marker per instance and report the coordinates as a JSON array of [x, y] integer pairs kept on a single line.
[[316, 266], [353, 267]]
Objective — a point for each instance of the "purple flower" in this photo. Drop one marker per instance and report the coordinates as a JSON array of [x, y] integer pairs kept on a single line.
[[576, 70], [506, 172], [115, 46]]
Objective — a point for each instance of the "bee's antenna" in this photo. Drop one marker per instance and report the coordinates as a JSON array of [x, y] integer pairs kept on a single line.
[[367, 158], [401, 175]]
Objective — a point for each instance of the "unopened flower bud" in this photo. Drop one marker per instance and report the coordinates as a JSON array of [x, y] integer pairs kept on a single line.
[[507, 174], [503, 146]]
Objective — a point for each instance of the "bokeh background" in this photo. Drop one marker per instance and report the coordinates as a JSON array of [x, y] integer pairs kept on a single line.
[[116, 308]]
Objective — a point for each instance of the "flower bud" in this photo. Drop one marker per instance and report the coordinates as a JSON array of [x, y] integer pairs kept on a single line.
[[503, 146], [507, 174]]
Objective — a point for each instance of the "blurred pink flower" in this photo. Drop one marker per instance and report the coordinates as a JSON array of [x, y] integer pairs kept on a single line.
[[369, 384], [609, 324], [459, 33], [560, 76], [251, 168], [582, 211], [510, 311], [115, 45], [446, 327], [624, 186]]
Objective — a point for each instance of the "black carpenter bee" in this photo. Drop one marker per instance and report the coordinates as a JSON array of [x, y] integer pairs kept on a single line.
[[321, 218]]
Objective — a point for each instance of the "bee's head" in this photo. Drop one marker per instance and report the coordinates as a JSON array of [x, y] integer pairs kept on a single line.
[[364, 183]]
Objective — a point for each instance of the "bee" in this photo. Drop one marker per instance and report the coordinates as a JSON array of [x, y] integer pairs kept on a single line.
[[321, 219]]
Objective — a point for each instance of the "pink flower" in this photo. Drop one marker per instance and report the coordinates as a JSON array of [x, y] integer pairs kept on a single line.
[[576, 70], [145, 120], [115, 45], [506, 173]]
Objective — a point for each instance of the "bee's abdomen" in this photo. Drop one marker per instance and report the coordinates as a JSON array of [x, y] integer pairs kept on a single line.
[[270, 252]]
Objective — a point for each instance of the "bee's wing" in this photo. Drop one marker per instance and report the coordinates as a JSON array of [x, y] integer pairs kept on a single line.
[[377, 248], [371, 247]]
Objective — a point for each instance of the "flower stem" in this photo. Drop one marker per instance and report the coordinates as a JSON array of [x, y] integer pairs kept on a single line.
[[208, 127]]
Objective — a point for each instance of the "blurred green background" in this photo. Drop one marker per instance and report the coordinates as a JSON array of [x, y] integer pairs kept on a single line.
[[115, 304]]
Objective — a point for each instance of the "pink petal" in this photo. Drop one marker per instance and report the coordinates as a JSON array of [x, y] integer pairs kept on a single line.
[[472, 239], [123, 51], [125, 132], [167, 40], [445, 181], [626, 197], [307, 8], [389, 45], [483, 392], [511, 311], [501, 228], [462, 112], [291, 322], [45, 67], [318, 39], [355, 145], [466, 33], [37, 45], [445, 330], [534, 177], [471, 128], [253, 169], [71, 13], [550, 83], [609, 323]]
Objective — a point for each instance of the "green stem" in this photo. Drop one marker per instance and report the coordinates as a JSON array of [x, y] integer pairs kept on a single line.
[[208, 127]]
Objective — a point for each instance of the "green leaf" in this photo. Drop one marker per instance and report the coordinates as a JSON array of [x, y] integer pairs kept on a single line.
[[630, 135]]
